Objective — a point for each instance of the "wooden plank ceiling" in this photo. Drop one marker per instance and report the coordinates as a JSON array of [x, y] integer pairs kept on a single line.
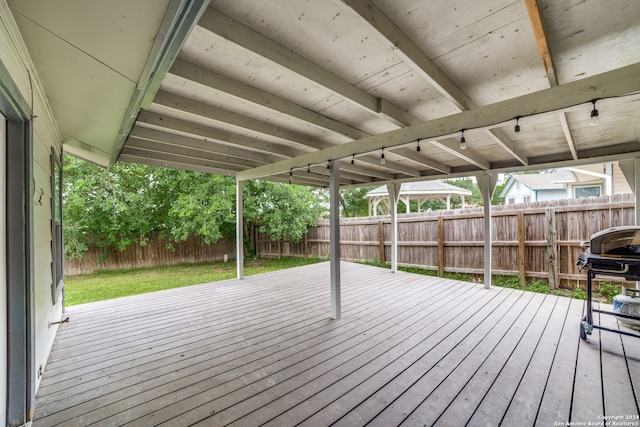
[[285, 85]]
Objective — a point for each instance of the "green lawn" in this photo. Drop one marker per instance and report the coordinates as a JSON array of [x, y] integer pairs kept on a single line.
[[113, 284]]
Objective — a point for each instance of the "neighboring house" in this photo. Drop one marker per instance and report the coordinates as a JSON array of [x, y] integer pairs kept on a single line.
[[565, 183], [418, 191]]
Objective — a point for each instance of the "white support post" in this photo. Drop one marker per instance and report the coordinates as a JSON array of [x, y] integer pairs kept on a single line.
[[394, 194], [487, 184], [631, 171], [630, 168], [334, 238], [239, 231]]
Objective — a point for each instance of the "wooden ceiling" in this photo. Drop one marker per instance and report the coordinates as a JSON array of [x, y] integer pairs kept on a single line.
[[275, 88]]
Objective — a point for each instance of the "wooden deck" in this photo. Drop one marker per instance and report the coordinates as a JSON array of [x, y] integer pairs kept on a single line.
[[409, 350]]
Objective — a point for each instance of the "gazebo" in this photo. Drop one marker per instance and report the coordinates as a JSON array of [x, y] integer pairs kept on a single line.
[[418, 191]]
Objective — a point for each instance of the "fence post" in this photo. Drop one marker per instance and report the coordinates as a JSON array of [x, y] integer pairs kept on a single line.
[[552, 253], [440, 245], [521, 247], [381, 241]]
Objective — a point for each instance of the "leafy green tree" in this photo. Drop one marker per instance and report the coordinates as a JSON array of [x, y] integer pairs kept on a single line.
[[113, 208], [475, 199], [130, 203], [353, 203]]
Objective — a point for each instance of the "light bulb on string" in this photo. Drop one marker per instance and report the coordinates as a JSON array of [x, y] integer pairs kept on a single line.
[[517, 128], [418, 147], [309, 168], [353, 159], [463, 141], [595, 117], [382, 160], [290, 175]]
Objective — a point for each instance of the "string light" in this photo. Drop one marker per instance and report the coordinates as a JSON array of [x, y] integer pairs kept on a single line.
[[290, 175], [463, 143], [595, 119]]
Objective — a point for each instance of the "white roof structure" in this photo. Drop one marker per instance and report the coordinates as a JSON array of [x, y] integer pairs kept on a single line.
[[418, 191], [277, 87]]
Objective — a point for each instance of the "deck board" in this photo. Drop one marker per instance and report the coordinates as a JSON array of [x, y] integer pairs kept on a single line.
[[408, 350]]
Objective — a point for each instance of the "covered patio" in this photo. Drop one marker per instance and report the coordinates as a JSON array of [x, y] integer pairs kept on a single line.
[[408, 350]]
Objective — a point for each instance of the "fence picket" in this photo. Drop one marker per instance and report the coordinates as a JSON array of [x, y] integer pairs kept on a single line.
[[526, 245]]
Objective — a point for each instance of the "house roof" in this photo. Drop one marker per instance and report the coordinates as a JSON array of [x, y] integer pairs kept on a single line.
[[421, 188], [281, 88]]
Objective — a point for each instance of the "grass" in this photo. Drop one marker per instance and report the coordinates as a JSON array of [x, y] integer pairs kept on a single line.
[[104, 285], [605, 294]]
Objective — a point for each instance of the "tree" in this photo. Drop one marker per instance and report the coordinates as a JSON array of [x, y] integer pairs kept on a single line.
[[468, 184], [131, 203], [353, 203], [113, 208]]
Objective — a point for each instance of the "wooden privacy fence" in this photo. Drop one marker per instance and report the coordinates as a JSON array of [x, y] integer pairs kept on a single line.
[[538, 240], [533, 241], [155, 253]]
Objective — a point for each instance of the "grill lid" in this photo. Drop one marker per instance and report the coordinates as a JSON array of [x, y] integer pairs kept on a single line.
[[621, 241]]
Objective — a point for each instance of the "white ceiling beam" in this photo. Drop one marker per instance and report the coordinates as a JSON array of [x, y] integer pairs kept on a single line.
[[207, 132], [218, 23], [422, 159], [498, 136], [203, 144], [362, 166], [229, 170], [238, 120], [414, 56], [410, 52], [132, 158], [566, 97], [568, 136], [211, 79], [467, 155], [533, 8], [541, 40], [161, 147]]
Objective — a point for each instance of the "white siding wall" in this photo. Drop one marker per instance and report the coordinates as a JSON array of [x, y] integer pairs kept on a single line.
[[14, 56], [518, 192]]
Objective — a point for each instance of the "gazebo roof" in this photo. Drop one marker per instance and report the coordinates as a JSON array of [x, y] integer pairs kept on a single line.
[[421, 189]]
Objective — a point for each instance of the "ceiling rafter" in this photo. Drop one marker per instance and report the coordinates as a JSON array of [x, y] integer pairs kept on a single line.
[[422, 159], [159, 146], [208, 78], [226, 27], [567, 97], [237, 120], [166, 122], [467, 155], [203, 145], [414, 56], [533, 9]]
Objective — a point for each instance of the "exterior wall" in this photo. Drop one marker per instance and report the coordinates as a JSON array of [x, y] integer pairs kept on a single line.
[[518, 192], [546, 195], [620, 184], [15, 59]]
